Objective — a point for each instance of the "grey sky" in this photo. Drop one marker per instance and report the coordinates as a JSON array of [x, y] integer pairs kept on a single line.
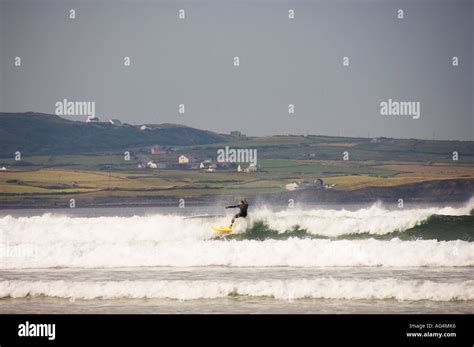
[[282, 61]]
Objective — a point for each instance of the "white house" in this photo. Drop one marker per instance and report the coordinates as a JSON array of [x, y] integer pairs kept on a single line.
[[316, 184], [292, 186], [251, 168], [182, 159], [152, 165]]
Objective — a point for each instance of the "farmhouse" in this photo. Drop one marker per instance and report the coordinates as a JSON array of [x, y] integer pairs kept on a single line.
[[183, 159], [207, 164], [187, 159], [152, 165], [251, 168]]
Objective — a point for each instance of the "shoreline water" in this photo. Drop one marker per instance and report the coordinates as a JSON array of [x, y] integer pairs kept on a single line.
[[79, 291], [241, 305]]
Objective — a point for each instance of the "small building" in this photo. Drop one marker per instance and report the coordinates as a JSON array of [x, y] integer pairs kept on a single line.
[[3, 168], [183, 159], [152, 165], [206, 164], [316, 184], [146, 163], [92, 119], [292, 186], [378, 139], [236, 134], [115, 122], [251, 168]]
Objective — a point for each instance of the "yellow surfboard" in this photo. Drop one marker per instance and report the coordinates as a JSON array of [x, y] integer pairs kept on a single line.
[[222, 230]]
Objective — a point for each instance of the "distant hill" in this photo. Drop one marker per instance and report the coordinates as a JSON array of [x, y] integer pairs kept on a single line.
[[45, 134]]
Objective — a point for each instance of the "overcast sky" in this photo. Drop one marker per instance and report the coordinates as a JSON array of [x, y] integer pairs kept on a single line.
[[282, 62]]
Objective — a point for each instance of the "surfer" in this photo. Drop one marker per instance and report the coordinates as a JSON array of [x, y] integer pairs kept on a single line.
[[243, 206]]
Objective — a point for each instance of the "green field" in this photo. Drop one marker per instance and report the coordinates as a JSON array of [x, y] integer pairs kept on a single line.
[[281, 160]]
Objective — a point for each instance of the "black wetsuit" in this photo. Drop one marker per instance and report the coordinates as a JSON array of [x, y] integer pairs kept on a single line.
[[242, 213]]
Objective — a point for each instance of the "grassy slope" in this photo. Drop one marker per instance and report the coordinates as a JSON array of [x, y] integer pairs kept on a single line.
[[41, 134]]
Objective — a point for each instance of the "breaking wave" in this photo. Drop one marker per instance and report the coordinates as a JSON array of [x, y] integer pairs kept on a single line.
[[321, 288], [372, 236]]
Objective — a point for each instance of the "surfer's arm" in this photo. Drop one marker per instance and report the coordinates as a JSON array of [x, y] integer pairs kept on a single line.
[[234, 206]]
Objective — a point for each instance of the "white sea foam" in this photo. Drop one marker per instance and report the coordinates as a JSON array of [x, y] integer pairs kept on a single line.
[[373, 220], [169, 240], [292, 252], [324, 288]]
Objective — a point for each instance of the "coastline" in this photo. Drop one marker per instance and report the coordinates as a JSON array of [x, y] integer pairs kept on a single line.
[[453, 191]]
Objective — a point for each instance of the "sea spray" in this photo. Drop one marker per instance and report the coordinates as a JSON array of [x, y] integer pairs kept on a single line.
[[372, 236]]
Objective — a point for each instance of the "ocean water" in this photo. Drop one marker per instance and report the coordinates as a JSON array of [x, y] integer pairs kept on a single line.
[[365, 259]]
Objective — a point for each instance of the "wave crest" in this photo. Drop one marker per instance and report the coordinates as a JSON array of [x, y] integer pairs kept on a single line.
[[322, 288]]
